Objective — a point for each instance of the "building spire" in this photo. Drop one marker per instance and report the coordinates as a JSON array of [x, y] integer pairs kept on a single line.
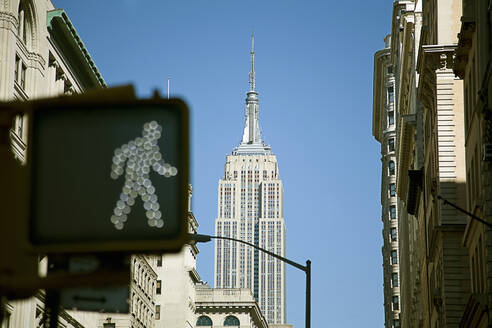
[[252, 72], [251, 142]]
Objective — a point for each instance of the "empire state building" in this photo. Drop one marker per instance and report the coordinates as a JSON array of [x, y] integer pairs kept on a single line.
[[250, 208]]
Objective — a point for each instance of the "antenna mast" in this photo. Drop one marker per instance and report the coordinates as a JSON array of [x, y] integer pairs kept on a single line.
[[168, 78], [252, 72]]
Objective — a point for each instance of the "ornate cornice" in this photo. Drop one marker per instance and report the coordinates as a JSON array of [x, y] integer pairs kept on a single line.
[[465, 42], [405, 150], [432, 58]]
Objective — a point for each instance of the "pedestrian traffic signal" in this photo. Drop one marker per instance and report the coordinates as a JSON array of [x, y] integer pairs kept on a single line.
[[108, 175]]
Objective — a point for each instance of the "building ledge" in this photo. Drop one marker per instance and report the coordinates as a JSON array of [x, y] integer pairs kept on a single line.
[[65, 36]]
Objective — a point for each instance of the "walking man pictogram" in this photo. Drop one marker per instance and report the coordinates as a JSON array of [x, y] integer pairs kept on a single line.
[[140, 155]]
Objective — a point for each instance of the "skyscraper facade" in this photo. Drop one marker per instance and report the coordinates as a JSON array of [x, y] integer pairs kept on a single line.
[[250, 208]]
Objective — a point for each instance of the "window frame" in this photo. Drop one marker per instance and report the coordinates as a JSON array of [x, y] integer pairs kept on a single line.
[[393, 234], [231, 321], [391, 144], [396, 305], [391, 167], [392, 189], [394, 256], [204, 321]]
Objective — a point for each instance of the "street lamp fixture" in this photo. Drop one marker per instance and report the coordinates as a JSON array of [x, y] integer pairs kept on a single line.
[[199, 238]]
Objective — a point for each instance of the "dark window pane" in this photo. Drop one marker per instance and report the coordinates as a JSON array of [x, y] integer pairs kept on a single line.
[[391, 144]]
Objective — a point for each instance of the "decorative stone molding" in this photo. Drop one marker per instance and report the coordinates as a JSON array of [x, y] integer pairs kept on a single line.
[[465, 42], [432, 58], [405, 150], [8, 21]]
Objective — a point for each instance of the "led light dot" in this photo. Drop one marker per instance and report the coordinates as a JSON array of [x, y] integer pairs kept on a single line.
[[157, 214], [148, 205], [114, 219], [155, 206], [150, 222], [119, 225], [173, 171], [130, 201], [159, 224], [149, 214]]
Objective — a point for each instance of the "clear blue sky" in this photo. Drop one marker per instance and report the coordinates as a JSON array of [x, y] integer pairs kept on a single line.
[[314, 68]]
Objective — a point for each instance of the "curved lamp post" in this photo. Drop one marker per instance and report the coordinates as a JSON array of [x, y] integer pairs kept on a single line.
[[199, 238]]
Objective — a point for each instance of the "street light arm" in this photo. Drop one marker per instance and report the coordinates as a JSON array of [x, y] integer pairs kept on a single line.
[[199, 238], [473, 216]]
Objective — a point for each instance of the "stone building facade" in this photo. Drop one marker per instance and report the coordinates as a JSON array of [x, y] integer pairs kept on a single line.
[[176, 279], [41, 56], [384, 132], [223, 307], [432, 165], [473, 64]]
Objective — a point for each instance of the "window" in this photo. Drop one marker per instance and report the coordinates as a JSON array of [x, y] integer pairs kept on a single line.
[[6, 320], [20, 125], [159, 261], [158, 287], [394, 279], [23, 76], [390, 69], [393, 212], [24, 21], [394, 257], [396, 323], [391, 144], [16, 68], [392, 189], [109, 325], [157, 312], [393, 234], [396, 305], [204, 321], [391, 95], [20, 72], [391, 118], [231, 321], [391, 167]]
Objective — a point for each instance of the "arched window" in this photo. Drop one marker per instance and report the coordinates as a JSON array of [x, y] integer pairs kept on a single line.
[[231, 321], [24, 27], [204, 321]]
